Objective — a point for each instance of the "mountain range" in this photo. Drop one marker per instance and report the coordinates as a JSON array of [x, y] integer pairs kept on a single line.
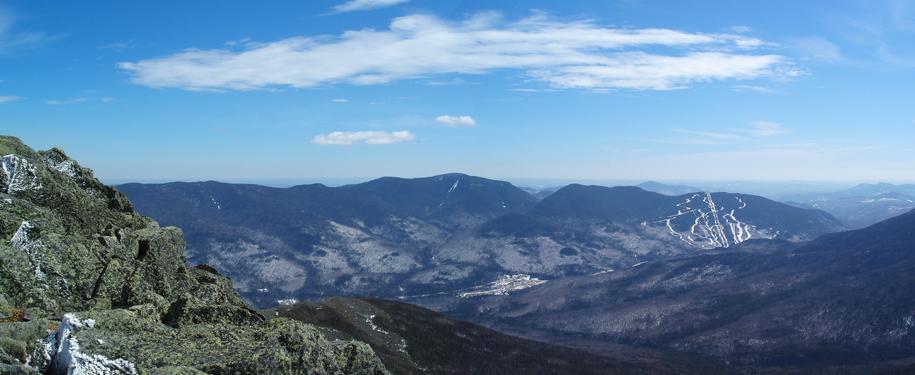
[[843, 302], [861, 205], [447, 234], [648, 283], [88, 286], [667, 189]]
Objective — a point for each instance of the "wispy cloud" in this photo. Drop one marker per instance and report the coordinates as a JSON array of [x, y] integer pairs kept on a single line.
[[340, 100], [752, 88], [66, 101], [345, 138], [527, 89], [883, 31], [755, 130], [9, 98], [80, 100], [359, 5], [118, 46], [766, 129], [817, 48], [710, 135], [570, 55], [12, 39], [456, 121]]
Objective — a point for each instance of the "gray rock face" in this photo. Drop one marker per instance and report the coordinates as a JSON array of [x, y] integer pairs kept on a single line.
[[74, 247]]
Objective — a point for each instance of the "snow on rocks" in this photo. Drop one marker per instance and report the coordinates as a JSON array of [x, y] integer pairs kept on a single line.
[[370, 320], [17, 175], [62, 350], [287, 301], [22, 242], [67, 167], [503, 286]]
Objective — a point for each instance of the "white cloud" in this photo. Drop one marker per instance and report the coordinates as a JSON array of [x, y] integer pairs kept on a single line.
[[366, 137], [340, 100], [456, 121], [581, 55], [9, 98], [357, 5]]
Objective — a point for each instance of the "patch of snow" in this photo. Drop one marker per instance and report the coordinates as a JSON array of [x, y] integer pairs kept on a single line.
[[22, 242], [287, 301], [638, 264], [215, 203], [609, 270], [503, 286], [455, 186], [370, 320], [18, 174], [8, 200], [67, 167], [63, 352], [263, 290], [713, 225]]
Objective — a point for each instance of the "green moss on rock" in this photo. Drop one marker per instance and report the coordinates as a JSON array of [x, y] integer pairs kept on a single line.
[[70, 243]]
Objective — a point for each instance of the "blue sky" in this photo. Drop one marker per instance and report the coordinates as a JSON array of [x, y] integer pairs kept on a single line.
[[579, 90]]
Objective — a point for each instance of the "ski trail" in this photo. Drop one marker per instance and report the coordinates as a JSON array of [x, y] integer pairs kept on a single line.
[[713, 225]]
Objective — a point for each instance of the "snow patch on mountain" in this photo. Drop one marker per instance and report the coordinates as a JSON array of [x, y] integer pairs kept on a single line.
[[22, 242], [505, 285], [17, 175], [215, 203], [370, 320], [368, 252], [67, 167], [711, 224]]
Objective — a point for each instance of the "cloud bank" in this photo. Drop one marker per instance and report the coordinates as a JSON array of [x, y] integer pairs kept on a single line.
[[569, 55], [344, 138]]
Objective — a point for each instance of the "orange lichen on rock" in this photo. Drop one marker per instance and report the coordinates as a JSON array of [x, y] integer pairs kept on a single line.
[[15, 315]]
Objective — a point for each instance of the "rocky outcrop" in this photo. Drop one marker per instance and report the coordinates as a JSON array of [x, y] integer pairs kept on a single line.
[[87, 284]]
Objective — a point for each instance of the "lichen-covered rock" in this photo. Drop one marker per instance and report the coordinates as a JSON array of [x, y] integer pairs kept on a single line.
[[278, 346], [72, 247], [357, 358]]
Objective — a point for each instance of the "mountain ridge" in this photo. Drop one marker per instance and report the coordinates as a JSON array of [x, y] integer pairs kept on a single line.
[[394, 237], [842, 301]]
